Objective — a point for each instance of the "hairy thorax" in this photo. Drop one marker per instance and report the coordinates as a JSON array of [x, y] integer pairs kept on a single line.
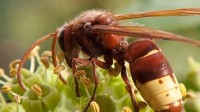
[[94, 43]]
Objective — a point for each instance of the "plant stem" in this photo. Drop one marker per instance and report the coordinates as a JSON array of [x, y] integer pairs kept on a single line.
[[8, 79], [2, 82], [32, 66], [122, 99], [45, 75], [17, 107], [2, 99]]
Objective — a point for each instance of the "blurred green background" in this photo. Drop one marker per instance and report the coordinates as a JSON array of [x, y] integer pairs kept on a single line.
[[24, 21]]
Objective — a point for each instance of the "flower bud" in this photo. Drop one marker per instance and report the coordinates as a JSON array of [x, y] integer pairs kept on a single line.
[[13, 72], [6, 88], [60, 56], [79, 73], [36, 89], [45, 61], [94, 106], [86, 81], [183, 89], [14, 63], [1, 72], [58, 69], [126, 109]]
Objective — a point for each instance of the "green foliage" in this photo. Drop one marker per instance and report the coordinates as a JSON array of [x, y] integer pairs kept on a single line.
[[53, 95], [192, 82]]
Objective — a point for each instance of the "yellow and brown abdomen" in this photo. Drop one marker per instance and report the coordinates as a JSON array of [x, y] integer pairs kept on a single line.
[[162, 94], [154, 77]]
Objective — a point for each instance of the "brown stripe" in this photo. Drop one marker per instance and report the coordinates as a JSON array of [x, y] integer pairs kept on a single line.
[[174, 108], [138, 49], [150, 68]]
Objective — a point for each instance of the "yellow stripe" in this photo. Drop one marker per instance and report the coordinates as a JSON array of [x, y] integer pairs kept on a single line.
[[165, 98], [160, 91], [157, 86], [149, 53]]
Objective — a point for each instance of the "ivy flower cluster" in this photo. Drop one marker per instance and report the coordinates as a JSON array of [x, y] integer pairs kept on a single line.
[[45, 92]]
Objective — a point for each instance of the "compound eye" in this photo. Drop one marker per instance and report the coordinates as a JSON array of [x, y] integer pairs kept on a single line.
[[61, 33], [61, 38]]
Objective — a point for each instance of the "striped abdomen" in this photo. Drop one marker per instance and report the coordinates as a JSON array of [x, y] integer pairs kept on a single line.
[[153, 76]]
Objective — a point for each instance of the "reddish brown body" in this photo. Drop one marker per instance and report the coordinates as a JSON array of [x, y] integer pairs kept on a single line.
[[98, 33], [149, 66], [77, 35]]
